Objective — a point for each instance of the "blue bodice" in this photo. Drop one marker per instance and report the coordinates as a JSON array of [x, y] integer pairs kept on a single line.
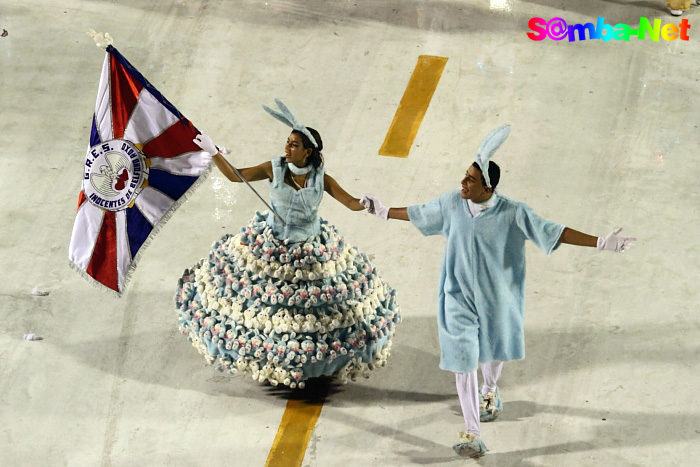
[[298, 208]]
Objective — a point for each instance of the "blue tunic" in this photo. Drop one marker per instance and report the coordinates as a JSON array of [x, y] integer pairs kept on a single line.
[[298, 208], [482, 283]]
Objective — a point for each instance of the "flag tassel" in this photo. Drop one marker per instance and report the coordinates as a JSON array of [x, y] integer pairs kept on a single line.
[[102, 40]]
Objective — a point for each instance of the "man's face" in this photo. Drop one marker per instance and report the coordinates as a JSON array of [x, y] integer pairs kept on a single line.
[[472, 188]]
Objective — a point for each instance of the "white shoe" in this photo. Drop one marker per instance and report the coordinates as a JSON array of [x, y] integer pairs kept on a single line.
[[490, 406], [676, 12], [469, 445]]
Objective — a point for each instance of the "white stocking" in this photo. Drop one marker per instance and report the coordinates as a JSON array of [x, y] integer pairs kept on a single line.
[[491, 371], [468, 391]]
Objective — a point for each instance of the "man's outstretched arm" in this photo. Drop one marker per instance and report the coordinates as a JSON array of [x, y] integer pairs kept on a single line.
[[611, 242], [574, 237], [399, 213], [374, 206]]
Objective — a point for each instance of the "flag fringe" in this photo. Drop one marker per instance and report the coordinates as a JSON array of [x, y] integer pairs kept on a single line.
[[156, 228], [92, 281], [164, 220]]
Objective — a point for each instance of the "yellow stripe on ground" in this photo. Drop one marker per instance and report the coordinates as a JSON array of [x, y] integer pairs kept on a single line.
[[300, 416], [413, 105], [294, 433]]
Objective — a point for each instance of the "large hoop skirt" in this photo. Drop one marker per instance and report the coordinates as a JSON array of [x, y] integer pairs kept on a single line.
[[285, 312]]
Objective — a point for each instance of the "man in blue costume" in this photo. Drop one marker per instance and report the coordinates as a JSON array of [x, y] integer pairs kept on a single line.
[[482, 281]]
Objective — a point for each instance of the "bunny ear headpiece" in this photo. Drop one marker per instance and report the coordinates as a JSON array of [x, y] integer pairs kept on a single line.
[[488, 147], [288, 118]]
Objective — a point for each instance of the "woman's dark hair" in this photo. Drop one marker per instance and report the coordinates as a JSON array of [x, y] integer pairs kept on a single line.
[[494, 174], [316, 158]]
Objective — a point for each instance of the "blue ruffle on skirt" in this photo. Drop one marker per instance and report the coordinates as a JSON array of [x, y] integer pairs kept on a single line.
[[285, 312]]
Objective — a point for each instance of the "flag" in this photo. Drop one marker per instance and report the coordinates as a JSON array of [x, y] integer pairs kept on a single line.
[[141, 164]]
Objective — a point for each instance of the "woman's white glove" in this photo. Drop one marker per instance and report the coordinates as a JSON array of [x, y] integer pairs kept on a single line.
[[204, 141], [374, 206], [615, 242]]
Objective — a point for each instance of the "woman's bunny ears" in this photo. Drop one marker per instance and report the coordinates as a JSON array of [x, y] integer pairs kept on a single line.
[[488, 147], [288, 118]]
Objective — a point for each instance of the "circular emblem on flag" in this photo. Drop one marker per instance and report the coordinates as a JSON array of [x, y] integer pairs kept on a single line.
[[115, 173]]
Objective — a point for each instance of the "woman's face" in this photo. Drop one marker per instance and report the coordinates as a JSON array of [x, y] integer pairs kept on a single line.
[[294, 151]]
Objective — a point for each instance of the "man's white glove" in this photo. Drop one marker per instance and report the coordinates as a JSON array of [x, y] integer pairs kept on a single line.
[[374, 206], [207, 145], [615, 242]]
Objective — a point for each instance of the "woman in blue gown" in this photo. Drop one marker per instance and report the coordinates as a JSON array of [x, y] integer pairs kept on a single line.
[[284, 302]]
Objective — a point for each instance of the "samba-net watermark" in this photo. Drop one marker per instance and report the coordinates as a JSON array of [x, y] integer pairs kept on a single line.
[[557, 29]]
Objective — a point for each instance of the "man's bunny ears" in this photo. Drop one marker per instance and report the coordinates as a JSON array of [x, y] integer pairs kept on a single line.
[[488, 147], [288, 118]]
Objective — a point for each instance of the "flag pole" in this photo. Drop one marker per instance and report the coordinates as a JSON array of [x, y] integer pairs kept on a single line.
[[238, 174], [105, 40]]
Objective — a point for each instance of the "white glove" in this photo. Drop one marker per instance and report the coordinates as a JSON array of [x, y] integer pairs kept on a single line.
[[615, 242], [374, 206], [207, 145]]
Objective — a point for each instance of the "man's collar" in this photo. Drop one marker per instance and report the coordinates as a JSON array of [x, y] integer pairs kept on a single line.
[[486, 204]]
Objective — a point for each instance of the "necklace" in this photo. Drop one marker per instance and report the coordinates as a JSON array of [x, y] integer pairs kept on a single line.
[[295, 182]]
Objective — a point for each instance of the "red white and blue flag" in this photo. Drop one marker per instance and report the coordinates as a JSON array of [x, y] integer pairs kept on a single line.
[[140, 166]]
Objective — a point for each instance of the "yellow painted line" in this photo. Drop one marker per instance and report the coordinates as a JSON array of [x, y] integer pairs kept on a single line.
[[300, 416], [413, 106], [294, 433]]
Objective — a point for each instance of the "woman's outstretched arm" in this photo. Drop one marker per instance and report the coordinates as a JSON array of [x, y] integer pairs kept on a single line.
[[251, 174], [337, 192]]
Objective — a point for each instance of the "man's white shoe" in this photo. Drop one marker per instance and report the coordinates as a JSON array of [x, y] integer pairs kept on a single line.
[[490, 406], [470, 445]]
